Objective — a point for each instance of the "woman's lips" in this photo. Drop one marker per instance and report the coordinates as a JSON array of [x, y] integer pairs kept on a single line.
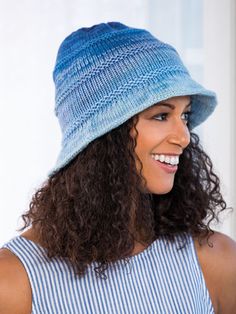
[[167, 168]]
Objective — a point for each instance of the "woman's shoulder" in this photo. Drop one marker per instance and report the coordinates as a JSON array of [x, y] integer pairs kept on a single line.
[[217, 258], [15, 291]]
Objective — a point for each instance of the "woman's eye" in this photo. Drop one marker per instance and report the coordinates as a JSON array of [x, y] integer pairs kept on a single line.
[[163, 116], [187, 115]]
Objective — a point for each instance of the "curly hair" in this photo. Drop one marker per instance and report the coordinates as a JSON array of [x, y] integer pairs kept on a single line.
[[93, 209]]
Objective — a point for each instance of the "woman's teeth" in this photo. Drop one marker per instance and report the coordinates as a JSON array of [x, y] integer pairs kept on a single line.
[[172, 160]]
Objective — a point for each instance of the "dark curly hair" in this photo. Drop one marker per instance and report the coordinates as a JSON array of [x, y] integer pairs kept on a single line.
[[93, 209]]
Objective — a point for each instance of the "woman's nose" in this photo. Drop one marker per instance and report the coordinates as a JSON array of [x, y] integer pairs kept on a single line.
[[179, 134]]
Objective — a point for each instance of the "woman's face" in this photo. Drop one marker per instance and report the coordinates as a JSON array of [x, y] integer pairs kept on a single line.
[[162, 136]]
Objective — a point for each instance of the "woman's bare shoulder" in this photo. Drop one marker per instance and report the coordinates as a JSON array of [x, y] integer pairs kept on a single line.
[[15, 291], [220, 245], [218, 261]]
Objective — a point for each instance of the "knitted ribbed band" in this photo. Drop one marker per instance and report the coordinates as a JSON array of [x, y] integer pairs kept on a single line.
[[109, 72]]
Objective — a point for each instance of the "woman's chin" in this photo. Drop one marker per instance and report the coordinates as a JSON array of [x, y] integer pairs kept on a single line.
[[159, 190]]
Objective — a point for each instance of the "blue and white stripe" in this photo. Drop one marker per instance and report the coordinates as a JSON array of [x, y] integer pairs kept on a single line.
[[162, 279]]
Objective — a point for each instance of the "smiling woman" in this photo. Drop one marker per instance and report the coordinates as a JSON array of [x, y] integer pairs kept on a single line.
[[132, 186]]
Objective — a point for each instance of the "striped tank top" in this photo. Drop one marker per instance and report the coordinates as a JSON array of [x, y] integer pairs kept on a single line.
[[162, 279]]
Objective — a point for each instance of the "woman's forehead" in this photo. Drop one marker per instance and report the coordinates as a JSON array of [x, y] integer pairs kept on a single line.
[[172, 102], [184, 100]]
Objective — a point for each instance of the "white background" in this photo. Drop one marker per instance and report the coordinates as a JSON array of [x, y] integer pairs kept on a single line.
[[30, 33]]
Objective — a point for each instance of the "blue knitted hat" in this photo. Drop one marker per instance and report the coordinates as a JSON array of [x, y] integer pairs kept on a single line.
[[107, 73]]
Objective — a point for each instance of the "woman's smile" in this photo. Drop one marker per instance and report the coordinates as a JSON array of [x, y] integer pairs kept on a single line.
[[168, 168]]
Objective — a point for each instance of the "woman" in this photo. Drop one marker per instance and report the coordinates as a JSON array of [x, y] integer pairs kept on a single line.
[[122, 223]]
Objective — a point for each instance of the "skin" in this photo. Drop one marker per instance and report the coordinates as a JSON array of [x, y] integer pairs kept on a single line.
[[169, 133]]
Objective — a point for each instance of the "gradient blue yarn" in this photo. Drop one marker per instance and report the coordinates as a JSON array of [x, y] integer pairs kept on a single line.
[[107, 73]]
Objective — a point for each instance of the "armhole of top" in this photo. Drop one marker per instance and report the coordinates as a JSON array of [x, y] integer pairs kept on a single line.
[[200, 271]]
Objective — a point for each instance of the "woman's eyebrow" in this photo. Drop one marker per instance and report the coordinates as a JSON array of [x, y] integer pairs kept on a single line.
[[170, 105]]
